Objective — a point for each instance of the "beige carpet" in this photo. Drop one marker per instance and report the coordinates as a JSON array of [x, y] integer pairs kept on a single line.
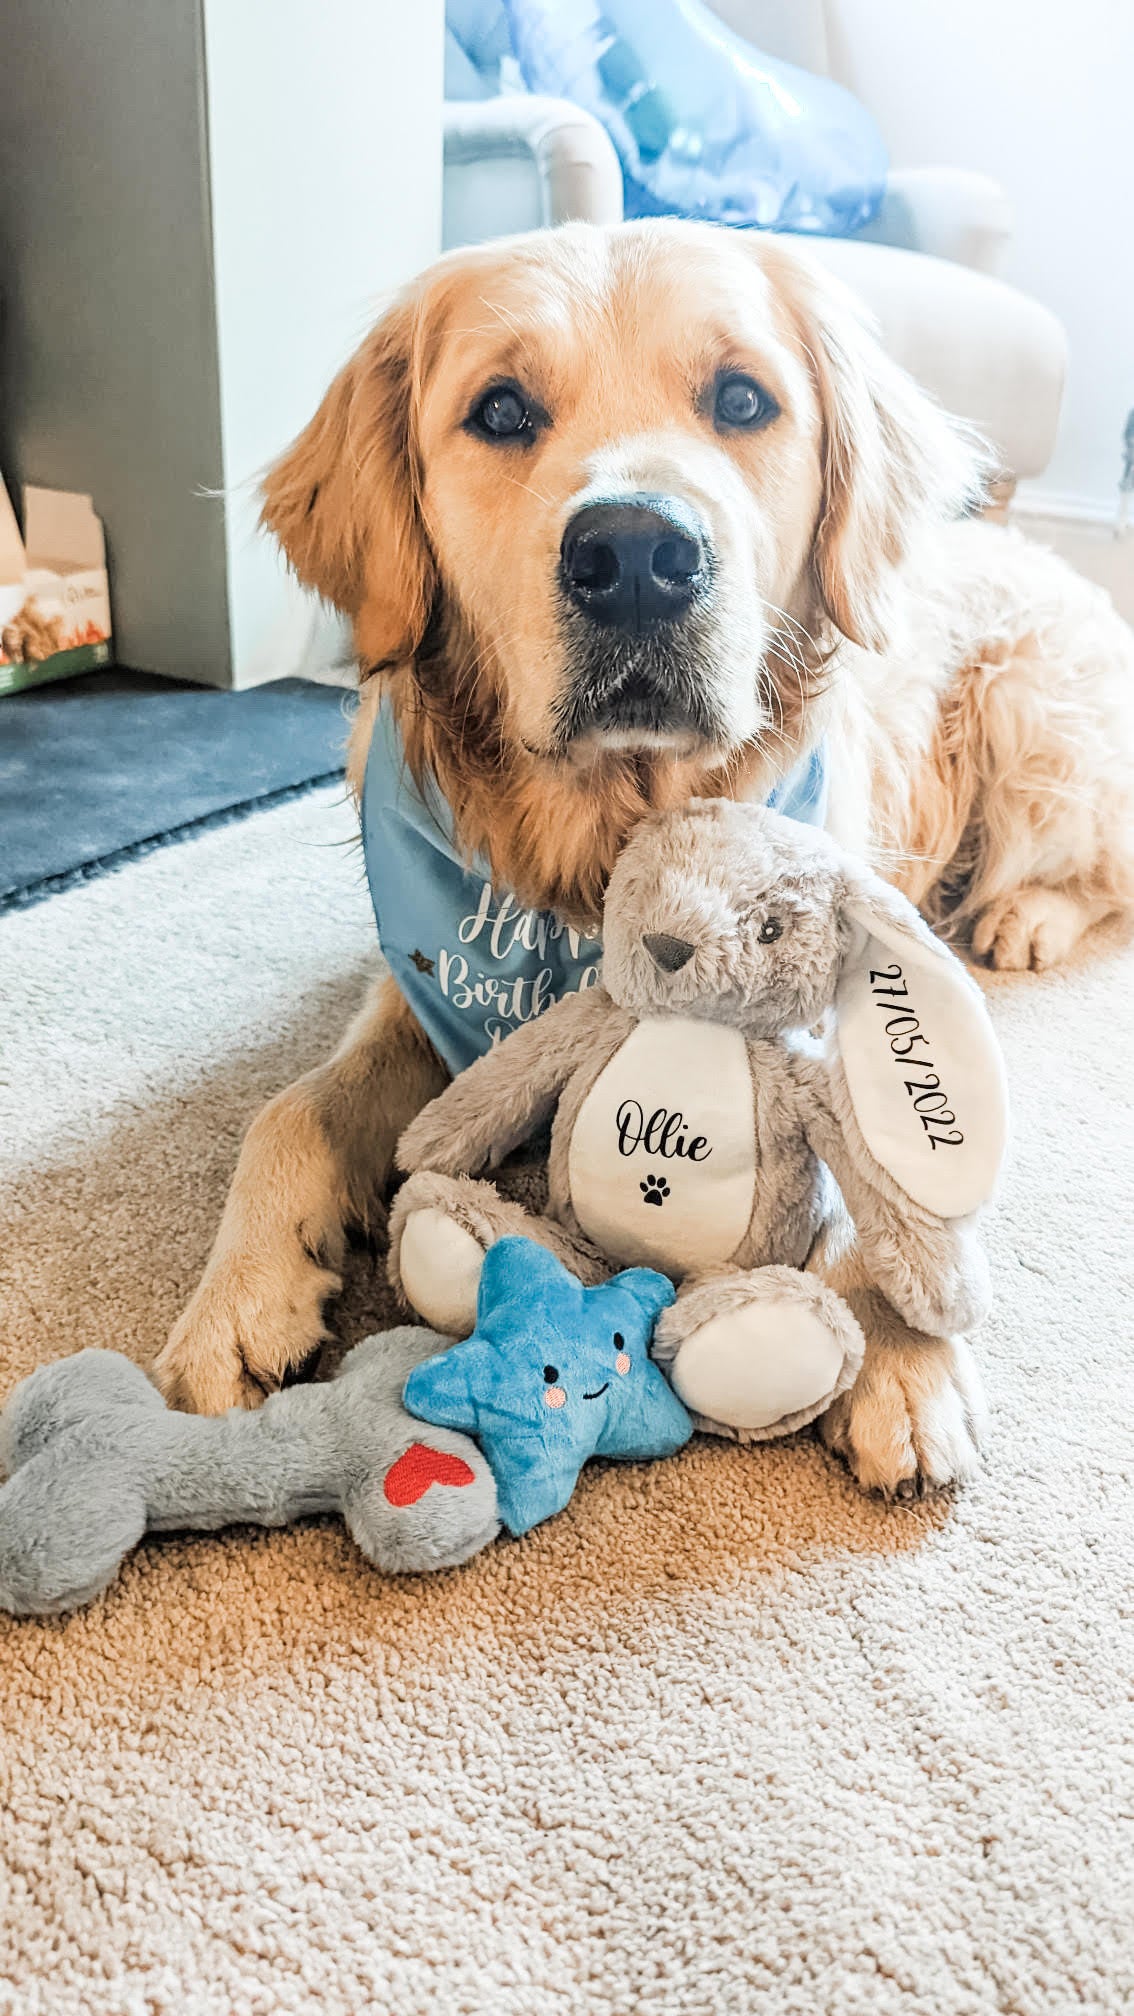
[[723, 1738]]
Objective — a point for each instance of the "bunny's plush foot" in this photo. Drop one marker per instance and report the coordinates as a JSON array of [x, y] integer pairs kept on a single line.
[[439, 1262], [758, 1353], [440, 1230]]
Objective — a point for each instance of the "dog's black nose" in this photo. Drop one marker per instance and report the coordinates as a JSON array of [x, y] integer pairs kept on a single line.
[[634, 563], [670, 953]]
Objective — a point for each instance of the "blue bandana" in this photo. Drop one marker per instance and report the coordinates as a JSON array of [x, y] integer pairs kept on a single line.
[[471, 963]]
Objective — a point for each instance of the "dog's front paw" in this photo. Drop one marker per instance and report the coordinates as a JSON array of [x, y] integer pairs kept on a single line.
[[913, 1422], [1034, 928], [250, 1322]]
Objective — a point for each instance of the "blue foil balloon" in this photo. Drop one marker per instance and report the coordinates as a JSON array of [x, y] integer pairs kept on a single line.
[[704, 125]]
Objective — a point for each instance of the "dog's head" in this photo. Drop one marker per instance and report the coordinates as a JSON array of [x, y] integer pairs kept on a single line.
[[643, 475]]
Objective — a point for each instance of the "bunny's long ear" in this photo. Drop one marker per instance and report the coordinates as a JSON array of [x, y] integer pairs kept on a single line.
[[923, 1067]]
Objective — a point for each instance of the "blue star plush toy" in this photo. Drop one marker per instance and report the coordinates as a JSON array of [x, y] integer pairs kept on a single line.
[[552, 1374]]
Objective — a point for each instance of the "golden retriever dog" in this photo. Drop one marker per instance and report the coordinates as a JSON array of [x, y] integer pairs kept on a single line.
[[625, 516]]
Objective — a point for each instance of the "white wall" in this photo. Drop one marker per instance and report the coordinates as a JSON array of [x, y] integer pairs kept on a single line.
[[325, 146], [1040, 94]]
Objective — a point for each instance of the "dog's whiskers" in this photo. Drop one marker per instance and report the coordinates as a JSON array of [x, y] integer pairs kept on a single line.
[[531, 490]]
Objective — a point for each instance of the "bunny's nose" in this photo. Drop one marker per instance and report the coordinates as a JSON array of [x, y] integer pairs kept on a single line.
[[670, 953]]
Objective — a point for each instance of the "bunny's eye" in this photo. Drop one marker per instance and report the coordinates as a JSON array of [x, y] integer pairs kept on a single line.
[[551, 1374], [770, 930]]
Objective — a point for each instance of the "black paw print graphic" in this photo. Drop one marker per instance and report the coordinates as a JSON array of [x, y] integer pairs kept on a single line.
[[654, 1190]]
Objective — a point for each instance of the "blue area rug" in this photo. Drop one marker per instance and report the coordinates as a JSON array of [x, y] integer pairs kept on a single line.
[[98, 770]]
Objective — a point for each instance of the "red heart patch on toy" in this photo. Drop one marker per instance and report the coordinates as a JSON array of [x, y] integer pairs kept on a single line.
[[410, 1477]]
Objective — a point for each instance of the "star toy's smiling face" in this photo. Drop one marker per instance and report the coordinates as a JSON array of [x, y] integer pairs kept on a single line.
[[618, 1365], [552, 1374]]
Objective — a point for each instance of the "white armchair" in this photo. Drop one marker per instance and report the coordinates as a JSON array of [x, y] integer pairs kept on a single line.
[[513, 164], [948, 213], [924, 266]]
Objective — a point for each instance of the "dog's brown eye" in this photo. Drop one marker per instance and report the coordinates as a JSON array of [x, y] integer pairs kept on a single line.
[[770, 930], [741, 402], [502, 414]]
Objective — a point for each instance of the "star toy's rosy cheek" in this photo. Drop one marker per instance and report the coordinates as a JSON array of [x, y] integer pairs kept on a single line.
[[622, 1362], [554, 1396]]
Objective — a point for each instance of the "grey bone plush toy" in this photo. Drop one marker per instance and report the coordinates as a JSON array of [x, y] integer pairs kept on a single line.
[[95, 1459], [696, 1125]]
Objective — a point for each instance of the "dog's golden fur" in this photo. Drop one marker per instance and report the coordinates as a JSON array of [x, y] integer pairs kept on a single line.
[[976, 695]]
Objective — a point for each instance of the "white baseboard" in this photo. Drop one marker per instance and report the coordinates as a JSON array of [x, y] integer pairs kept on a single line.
[[1083, 532]]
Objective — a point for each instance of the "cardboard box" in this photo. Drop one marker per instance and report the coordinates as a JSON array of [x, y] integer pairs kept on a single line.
[[54, 594]]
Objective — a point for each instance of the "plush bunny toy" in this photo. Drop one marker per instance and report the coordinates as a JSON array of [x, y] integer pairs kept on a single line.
[[696, 1122]]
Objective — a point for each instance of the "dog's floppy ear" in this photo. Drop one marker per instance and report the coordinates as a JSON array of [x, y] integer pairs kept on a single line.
[[891, 459], [342, 500]]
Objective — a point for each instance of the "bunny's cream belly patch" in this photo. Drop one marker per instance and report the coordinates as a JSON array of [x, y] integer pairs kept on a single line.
[[662, 1162]]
